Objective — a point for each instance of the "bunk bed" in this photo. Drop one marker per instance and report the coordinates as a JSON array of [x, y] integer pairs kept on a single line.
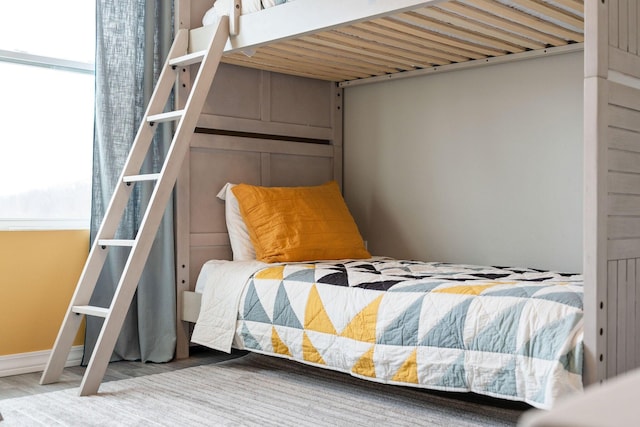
[[309, 51]]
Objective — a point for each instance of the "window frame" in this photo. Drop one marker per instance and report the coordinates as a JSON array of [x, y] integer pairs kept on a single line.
[[46, 62], [23, 58]]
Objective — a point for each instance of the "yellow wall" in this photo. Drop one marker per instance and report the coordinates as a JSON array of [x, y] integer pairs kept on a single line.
[[38, 274]]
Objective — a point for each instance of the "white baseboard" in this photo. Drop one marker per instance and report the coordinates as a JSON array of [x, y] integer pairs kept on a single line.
[[35, 361]]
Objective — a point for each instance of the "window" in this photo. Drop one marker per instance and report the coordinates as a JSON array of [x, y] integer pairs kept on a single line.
[[46, 63]]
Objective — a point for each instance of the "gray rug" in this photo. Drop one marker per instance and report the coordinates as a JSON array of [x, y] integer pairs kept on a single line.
[[254, 390]]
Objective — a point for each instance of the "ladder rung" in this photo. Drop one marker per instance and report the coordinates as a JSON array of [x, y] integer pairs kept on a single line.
[[166, 117], [91, 310], [144, 177], [115, 242], [191, 58]]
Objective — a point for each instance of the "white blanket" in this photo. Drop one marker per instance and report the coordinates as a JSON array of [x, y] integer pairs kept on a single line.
[[220, 298]]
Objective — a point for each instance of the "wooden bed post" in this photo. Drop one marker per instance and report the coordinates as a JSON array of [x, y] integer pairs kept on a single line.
[[612, 162], [595, 238], [338, 106], [182, 12]]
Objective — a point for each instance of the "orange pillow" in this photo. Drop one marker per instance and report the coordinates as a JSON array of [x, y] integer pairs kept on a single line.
[[299, 223]]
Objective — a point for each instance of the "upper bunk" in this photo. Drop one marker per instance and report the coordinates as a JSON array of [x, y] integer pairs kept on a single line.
[[368, 40]]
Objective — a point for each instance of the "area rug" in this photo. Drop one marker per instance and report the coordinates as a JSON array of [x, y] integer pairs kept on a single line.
[[252, 390]]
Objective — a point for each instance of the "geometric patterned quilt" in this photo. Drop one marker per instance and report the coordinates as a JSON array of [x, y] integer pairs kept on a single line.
[[511, 333]]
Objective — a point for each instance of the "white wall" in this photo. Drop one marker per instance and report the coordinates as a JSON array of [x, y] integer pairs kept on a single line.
[[479, 166]]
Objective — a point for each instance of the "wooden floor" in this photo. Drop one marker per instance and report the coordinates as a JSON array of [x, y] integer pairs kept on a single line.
[[28, 384]]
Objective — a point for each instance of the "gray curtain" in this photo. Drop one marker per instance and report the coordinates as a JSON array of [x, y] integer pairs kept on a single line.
[[132, 41]]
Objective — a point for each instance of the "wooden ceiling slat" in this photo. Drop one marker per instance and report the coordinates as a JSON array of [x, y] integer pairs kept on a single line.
[[450, 42], [426, 46], [365, 54], [415, 60], [405, 49], [237, 59], [372, 47], [489, 31], [526, 19], [502, 22], [418, 36], [268, 56], [464, 34], [551, 11], [312, 55], [576, 5], [379, 48], [357, 57], [293, 59]]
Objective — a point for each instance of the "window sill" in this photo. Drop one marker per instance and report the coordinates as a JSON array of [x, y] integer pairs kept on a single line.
[[43, 224]]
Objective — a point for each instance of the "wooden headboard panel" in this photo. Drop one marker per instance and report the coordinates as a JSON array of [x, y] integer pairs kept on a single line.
[[218, 159], [259, 128], [201, 231]]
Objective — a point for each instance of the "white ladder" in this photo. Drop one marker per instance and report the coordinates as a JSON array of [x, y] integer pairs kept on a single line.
[[187, 118]]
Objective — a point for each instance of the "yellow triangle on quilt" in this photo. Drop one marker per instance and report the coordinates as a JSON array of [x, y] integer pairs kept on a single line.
[[467, 289], [276, 272], [363, 325], [408, 372], [315, 316], [278, 346], [365, 366], [309, 351]]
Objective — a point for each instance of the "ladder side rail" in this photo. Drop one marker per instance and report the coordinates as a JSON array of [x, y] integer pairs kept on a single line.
[[200, 91], [153, 215], [142, 141], [97, 255]]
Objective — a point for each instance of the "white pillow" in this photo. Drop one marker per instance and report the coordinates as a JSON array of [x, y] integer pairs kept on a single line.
[[250, 6], [223, 8], [241, 245], [270, 3]]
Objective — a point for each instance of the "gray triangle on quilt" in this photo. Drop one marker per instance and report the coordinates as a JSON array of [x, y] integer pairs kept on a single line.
[[568, 298], [283, 314], [403, 330], [449, 331], [504, 381], [307, 275], [548, 341], [515, 291], [572, 361], [541, 395], [253, 309], [455, 376], [261, 334], [248, 339], [501, 334], [418, 287], [397, 268]]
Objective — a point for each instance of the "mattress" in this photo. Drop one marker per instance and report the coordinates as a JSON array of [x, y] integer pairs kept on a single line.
[[510, 333]]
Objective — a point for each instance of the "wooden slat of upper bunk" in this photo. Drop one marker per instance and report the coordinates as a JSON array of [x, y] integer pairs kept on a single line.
[[358, 39]]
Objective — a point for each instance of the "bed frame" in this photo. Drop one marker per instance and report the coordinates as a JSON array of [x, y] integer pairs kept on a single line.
[[259, 136]]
